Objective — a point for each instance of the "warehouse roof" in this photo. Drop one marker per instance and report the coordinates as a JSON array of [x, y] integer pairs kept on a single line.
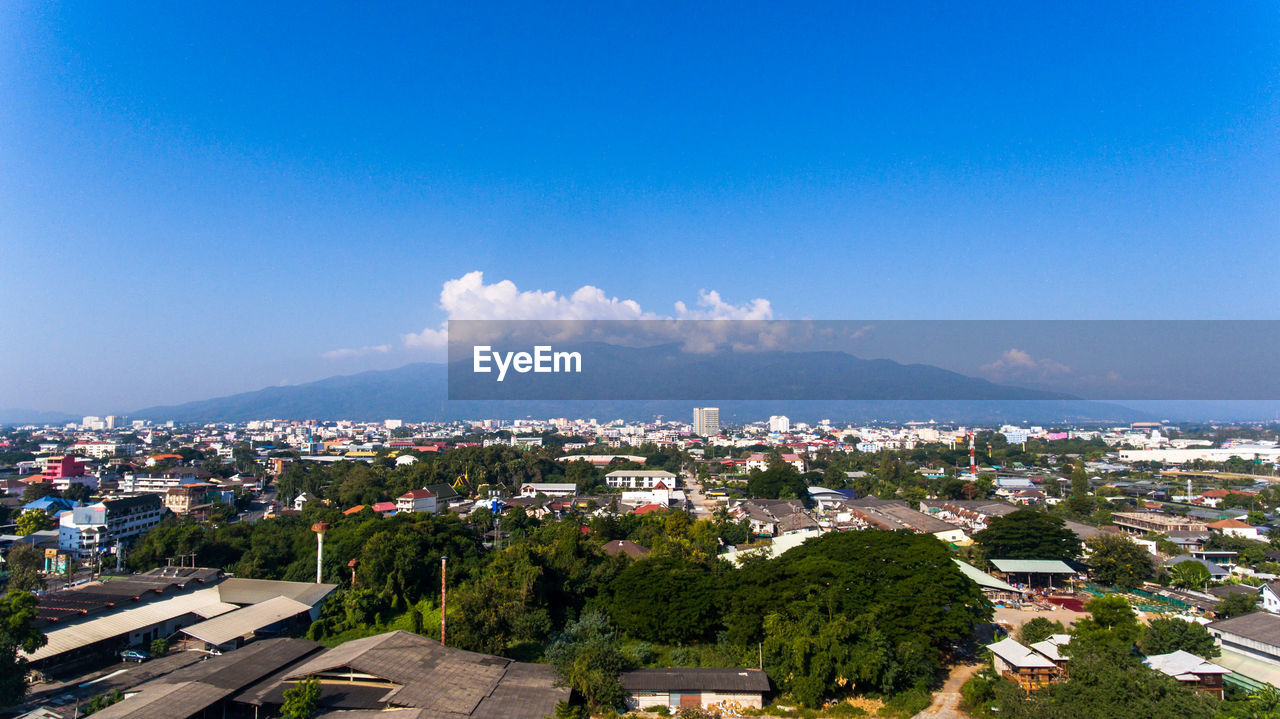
[[195, 688], [1262, 627], [1032, 566], [984, 580], [243, 622], [253, 591], [400, 669], [74, 635]]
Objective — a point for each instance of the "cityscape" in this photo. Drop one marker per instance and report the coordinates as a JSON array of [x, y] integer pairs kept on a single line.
[[639, 360]]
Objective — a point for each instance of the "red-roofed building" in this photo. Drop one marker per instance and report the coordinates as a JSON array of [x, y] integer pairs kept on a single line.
[[760, 461], [417, 500], [386, 509], [648, 509], [354, 510], [1234, 528]]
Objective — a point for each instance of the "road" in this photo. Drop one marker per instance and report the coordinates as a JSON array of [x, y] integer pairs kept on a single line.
[[701, 506], [946, 702]]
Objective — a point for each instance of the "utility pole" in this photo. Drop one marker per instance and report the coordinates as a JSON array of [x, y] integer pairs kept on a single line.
[[444, 563]]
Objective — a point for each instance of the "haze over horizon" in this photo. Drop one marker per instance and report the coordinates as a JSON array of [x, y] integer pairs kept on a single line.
[[199, 201]]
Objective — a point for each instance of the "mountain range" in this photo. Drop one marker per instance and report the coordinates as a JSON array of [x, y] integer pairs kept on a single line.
[[890, 392]]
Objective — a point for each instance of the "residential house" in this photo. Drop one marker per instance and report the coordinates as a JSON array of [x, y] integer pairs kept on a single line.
[[773, 517], [1022, 665], [1051, 648], [1190, 670], [625, 546], [1270, 595], [417, 500], [972, 515], [1235, 528], [302, 499]]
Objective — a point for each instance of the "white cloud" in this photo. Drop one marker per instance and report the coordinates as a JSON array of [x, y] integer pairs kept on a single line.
[[711, 307], [470, 298], [353, 352], [1016, 362]]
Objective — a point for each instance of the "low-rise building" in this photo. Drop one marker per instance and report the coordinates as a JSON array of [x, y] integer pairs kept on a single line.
[[548, 489], [700, 688], [1022, 665], [1190, 670], [640, 478], [1158, 522], [417, 500]]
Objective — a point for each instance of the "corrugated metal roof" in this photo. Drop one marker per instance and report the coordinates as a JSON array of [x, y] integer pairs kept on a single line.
[[441, 681], [1018, 655], [1033, 566], [695, 679], [191, 690], [246, 621], [984, 580], [204, 602], [252, 591]]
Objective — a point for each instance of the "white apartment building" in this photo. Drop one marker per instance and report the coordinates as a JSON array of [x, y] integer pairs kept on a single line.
[[85, 531], [640, 478], [416, 500], [779, 423]]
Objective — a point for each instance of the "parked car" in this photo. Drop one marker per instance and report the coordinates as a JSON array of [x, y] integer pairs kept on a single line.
[[134, 655]]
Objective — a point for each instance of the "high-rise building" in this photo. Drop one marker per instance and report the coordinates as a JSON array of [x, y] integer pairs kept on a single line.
[[779, 423], [706, 421]]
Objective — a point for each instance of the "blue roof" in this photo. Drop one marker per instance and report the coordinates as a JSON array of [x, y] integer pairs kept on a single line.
[[51, 504]]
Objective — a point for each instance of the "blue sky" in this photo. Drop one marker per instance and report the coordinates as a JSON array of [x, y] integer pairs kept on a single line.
[[202, 199]]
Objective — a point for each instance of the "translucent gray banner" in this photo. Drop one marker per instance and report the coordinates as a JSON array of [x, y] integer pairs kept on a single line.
[[863, 360]]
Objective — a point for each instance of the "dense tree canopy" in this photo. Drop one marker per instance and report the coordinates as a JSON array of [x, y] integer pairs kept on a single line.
[[1119, 561], [1163, 636], [1028, 534], [780, 481], [878, 608], [666, 599]]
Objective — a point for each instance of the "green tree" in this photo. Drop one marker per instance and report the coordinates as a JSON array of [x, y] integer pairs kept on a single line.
[[1111, 626], [1119, 561], [17, 615], [1039, 629], [1080, 503], [301, 700], [1028, 534], [686, 591], [1106, 684], [877, 609], [1163, 636], [24, 563], [779, 481], [1189, 575], [34, 520], [1235, 604], [587, 659]]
